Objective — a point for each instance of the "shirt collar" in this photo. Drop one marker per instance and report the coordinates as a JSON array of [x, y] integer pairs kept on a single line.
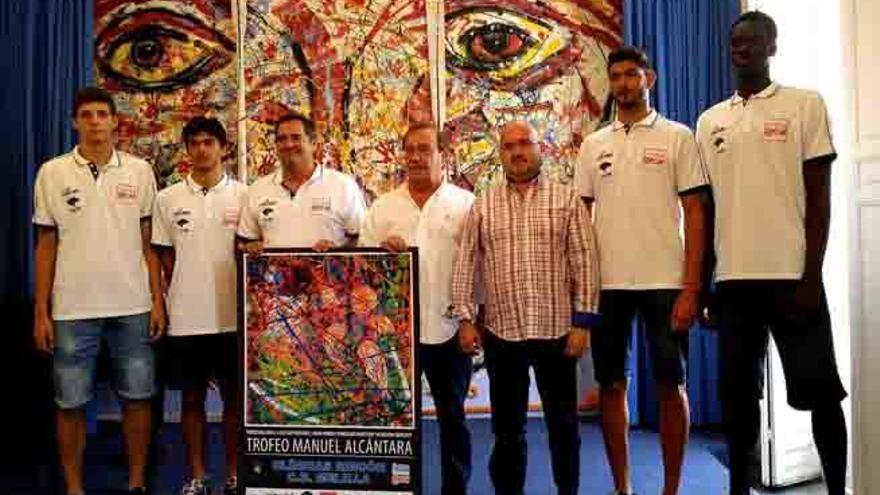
[[647, 121], [83, 162], [403, 190], [534, 183], [278, 175], [765, 93], [198, 188]]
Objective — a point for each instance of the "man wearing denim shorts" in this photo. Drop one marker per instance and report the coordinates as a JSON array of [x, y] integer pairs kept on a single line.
[[92, 216], [638, 174]]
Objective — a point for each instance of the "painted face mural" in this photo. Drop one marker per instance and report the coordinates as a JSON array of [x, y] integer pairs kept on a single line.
[[349, 64], [166, 61], [361, 70], [542, 61]]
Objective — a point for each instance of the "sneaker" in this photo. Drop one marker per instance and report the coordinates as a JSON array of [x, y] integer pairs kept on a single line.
[[196, 486], [138, 490], [231, 486]]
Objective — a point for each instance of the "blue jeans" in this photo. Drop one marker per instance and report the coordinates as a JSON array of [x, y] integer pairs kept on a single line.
[[77, 344], [448, 371]]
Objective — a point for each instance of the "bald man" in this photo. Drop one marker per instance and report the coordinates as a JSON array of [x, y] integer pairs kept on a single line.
[[530, 242]]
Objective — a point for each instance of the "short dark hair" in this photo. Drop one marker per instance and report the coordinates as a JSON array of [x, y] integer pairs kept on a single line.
[[766, 23], [420, 126], [207, 125], [629, 53], [306, 122], [92, 94]]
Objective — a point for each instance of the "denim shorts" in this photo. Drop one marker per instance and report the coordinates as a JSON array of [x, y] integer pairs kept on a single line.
[[77, 344]]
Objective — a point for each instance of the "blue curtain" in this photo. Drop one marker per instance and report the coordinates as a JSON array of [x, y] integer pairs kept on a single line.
[[46, 56], [687, 42]]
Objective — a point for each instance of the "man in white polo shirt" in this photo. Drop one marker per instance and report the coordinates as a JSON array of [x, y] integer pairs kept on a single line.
[[429, 213], [194, 225], [92, 215], [301, 204], [638, 174], [768, 150]]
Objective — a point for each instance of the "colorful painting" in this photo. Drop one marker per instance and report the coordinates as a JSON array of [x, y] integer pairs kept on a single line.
[[167, 61], [539, 60], [329, 340], [353, 66]]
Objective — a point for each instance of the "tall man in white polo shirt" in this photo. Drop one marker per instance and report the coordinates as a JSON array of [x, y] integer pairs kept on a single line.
[[769, 153], [92, 214], [301, 204], [638, 174], [194, 225], [429, 213]]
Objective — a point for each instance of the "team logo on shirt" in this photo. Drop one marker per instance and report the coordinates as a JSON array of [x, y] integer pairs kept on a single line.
[[230, 217], [73, 199], [126, 194], [776, 131], [654, 155], [183, 220], [719, 143], [266, 210], [320, 205], [605, 165]]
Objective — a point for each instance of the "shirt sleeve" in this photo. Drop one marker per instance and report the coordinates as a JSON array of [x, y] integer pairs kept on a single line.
[[43, 214], [463, 274], [248, 226], [355, 209], [583, 266], [701, 136], [149, 195], [583, 171], [689, 170], [816, 138], [160, 235]]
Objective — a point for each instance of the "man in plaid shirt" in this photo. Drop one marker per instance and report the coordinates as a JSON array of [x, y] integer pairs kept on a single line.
[[531, 241]]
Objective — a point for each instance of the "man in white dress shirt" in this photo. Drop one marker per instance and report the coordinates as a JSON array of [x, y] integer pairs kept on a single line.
[[429, 213]]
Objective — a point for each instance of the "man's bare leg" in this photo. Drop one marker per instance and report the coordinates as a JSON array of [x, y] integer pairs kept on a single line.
[[615, 431], [193, 427], [231, 408], [136, 427], [674, 427], [71, 424]]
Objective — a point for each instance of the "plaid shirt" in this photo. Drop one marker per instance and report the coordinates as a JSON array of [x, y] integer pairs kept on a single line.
[[536, 256]]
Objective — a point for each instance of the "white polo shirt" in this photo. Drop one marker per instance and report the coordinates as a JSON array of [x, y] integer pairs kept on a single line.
[[635, 178], [100, 270], [200, 224], [329, 205], [754, 150], [436, 230]]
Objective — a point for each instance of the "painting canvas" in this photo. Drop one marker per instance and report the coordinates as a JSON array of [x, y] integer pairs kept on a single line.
[[166, 61], [329, 340]]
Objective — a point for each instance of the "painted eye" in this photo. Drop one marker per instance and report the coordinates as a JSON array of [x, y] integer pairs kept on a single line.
[[501, 44], [158, 50]]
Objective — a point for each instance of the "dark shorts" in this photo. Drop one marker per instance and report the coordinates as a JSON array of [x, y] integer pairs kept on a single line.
[[621, 309], [193, 361], [750, 311]]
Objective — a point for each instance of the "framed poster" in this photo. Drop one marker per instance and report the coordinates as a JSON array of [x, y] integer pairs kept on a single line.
[[330, 373]]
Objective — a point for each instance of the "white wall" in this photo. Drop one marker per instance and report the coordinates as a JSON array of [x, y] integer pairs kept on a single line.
[[861, 48]]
